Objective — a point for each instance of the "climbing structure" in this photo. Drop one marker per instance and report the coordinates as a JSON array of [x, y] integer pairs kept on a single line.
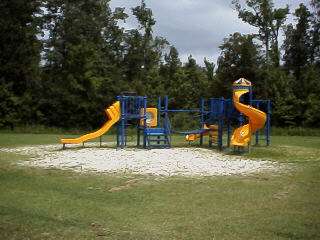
[[217, 116], [154, 131]]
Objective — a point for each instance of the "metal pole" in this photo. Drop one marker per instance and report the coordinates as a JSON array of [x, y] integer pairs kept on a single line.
[[118, 128], [123, 116], [268, 122], [159, 111], [166, 103], [228, 107], [144, 121], [257, 132], [125, 132], [220, 127], [229, 133], [210, 116], [166, 119], [201, 120]]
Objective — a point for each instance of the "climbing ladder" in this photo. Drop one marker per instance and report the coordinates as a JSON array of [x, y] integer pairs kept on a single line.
[[157, 138]]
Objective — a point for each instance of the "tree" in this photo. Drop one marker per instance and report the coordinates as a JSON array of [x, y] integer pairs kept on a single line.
[[315, 33], [81, 59], [239, 58], [311, 92], [19, 61], [144, 52], [210, 67], [268, 20], [212, 78], [169, 69], [297, 44], [172, 61], [286, 107], [197, 80]]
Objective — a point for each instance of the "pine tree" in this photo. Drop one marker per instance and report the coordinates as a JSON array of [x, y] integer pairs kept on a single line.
[[82, 54], [268, 20], [239, 58], [315, 33], [297, 44], [144, 53], [19, 61], [169, 69]]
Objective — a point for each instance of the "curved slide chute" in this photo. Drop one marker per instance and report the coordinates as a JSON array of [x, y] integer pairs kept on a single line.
[[113, 113], [257, 119]]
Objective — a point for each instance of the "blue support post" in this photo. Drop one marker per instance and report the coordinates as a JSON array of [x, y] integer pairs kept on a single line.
[[118, 126], [257, 132], [220, 124], [144, 121], [228, 133], [138, 124], [208, 105], [250, 95], [159, 115], [268, 122], [201, 120], [228, 116], [166, 119], [241, 117], [159, 111], [123, 113], [166, 104]]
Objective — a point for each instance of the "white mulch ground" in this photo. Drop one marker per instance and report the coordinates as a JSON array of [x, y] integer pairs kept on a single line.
[[165, 162]]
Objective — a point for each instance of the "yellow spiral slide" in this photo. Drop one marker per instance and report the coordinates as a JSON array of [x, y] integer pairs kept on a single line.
[[113, 113], [242, 135]]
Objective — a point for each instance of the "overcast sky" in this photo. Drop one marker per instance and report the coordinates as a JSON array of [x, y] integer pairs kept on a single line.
[[196, 27]]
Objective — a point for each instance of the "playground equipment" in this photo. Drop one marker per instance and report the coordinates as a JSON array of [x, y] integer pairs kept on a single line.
[[257, 119], [127, 111], [113, 115], [216, 117], [154, 130], [211, 130]]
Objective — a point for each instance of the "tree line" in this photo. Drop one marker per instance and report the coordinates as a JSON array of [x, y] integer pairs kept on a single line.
[[63, 61]]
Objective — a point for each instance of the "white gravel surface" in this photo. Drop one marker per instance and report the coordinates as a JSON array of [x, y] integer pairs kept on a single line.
[[164, 162]]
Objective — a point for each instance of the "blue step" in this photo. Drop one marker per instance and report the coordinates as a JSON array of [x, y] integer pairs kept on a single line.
[[155, 131], [158, 140], [158, 146]]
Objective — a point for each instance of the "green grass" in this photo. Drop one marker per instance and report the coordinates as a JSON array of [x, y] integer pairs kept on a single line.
[[290, 149], [295, 131], [21, 139], [54, 204]]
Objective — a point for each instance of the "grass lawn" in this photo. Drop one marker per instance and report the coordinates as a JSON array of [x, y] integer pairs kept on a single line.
[[55, 204]]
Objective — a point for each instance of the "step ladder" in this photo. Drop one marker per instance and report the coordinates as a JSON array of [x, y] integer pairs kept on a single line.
[[157, 138]]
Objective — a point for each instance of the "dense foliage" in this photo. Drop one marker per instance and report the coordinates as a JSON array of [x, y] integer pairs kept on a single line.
[[63, 61]]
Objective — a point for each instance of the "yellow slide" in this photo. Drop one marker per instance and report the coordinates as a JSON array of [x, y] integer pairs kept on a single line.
[[242, 135], [113, 113]]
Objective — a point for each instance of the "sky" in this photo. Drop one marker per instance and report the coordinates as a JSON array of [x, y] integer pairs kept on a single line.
[[196, 27]]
